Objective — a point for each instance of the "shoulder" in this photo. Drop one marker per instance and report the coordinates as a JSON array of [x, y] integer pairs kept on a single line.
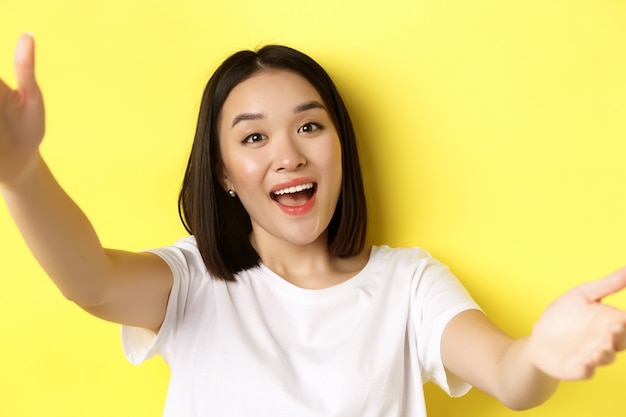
[[407, 257], [412, 264], [183, 258], [186, 248]]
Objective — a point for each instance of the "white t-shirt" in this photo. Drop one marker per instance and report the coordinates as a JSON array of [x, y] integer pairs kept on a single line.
[[263, 347]]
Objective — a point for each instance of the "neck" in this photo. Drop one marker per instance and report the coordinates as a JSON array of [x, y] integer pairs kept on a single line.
[[308, 266]]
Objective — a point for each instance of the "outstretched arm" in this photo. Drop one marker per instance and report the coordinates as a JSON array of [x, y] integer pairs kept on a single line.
[[576, 334], [118, 286]]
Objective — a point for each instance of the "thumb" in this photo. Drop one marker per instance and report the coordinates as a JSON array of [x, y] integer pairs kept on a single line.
[[25, 64], [597, 290]]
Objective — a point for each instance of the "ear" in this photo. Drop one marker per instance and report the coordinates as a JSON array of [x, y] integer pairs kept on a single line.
[[222, 176]]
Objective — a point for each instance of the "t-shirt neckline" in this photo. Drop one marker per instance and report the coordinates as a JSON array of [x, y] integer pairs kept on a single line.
[[356, 280]]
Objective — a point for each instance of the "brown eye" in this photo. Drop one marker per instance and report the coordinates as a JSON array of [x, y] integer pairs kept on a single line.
[[253, 138], [309, 127]]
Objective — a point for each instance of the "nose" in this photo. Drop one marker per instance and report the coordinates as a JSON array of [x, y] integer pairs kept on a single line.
[[288, 156]]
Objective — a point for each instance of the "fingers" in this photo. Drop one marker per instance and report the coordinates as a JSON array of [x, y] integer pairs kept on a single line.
[[597, 290], [619, 335], [25, 64], [596, 352], [605, 346]]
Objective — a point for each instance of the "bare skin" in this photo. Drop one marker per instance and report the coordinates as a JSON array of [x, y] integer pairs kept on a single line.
[[576, 334], [118, 286], [290, 140]]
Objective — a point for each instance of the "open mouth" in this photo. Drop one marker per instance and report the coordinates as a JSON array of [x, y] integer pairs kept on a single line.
[[295, 196]]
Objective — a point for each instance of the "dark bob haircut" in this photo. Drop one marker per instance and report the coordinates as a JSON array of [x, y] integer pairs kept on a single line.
[[219, 223]]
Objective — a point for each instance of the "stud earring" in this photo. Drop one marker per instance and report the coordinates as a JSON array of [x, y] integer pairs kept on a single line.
[[232, 193]]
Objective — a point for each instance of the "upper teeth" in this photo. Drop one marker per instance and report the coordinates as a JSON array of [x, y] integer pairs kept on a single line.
[[294, 189]]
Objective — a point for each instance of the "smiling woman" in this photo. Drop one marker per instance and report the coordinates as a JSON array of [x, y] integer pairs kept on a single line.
[[275, 297], [236, 112], [299, 145]]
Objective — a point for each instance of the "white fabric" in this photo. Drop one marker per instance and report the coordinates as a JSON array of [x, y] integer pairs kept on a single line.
[[264, 347]]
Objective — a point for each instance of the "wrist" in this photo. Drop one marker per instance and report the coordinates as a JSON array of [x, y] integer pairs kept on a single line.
[[20, 180]]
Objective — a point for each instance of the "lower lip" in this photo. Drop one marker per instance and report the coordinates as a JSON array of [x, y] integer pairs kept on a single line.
[[298, 210]]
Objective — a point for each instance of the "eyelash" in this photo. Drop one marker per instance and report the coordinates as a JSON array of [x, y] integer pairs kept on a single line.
[[315, 126], [251, 138], [257, 137]]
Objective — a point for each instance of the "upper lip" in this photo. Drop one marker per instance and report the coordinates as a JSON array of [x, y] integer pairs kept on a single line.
[[291, 183]]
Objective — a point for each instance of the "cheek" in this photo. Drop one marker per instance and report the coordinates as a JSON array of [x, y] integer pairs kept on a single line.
[[332, 158], [244, 172]]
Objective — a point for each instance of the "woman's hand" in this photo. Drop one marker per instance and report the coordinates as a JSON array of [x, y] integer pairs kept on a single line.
[[578, 333], [22, 120]]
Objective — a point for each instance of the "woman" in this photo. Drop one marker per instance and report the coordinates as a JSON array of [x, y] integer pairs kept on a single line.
[[274, 305]]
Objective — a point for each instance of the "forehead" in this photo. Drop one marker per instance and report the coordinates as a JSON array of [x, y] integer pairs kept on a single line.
[[267, 91]]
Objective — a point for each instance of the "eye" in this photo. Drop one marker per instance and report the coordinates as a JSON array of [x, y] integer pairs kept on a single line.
[[309, 127], [253, 138]]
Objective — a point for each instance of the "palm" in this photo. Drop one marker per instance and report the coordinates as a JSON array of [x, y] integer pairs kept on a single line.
[[21, 116], [578, 332]]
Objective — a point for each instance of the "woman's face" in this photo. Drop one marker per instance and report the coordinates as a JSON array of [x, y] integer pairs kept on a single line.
[[282, 156]]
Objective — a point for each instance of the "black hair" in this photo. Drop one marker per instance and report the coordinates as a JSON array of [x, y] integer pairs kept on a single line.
[[219, 223]]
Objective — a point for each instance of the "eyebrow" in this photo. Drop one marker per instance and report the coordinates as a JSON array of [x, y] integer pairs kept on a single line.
[[246, 116], [313, 104]]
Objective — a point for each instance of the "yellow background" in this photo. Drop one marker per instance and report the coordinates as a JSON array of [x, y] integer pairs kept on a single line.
[[492, 134]]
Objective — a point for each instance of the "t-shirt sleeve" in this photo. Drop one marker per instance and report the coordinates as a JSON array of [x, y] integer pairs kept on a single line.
[[140, 344], [436, 298]]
